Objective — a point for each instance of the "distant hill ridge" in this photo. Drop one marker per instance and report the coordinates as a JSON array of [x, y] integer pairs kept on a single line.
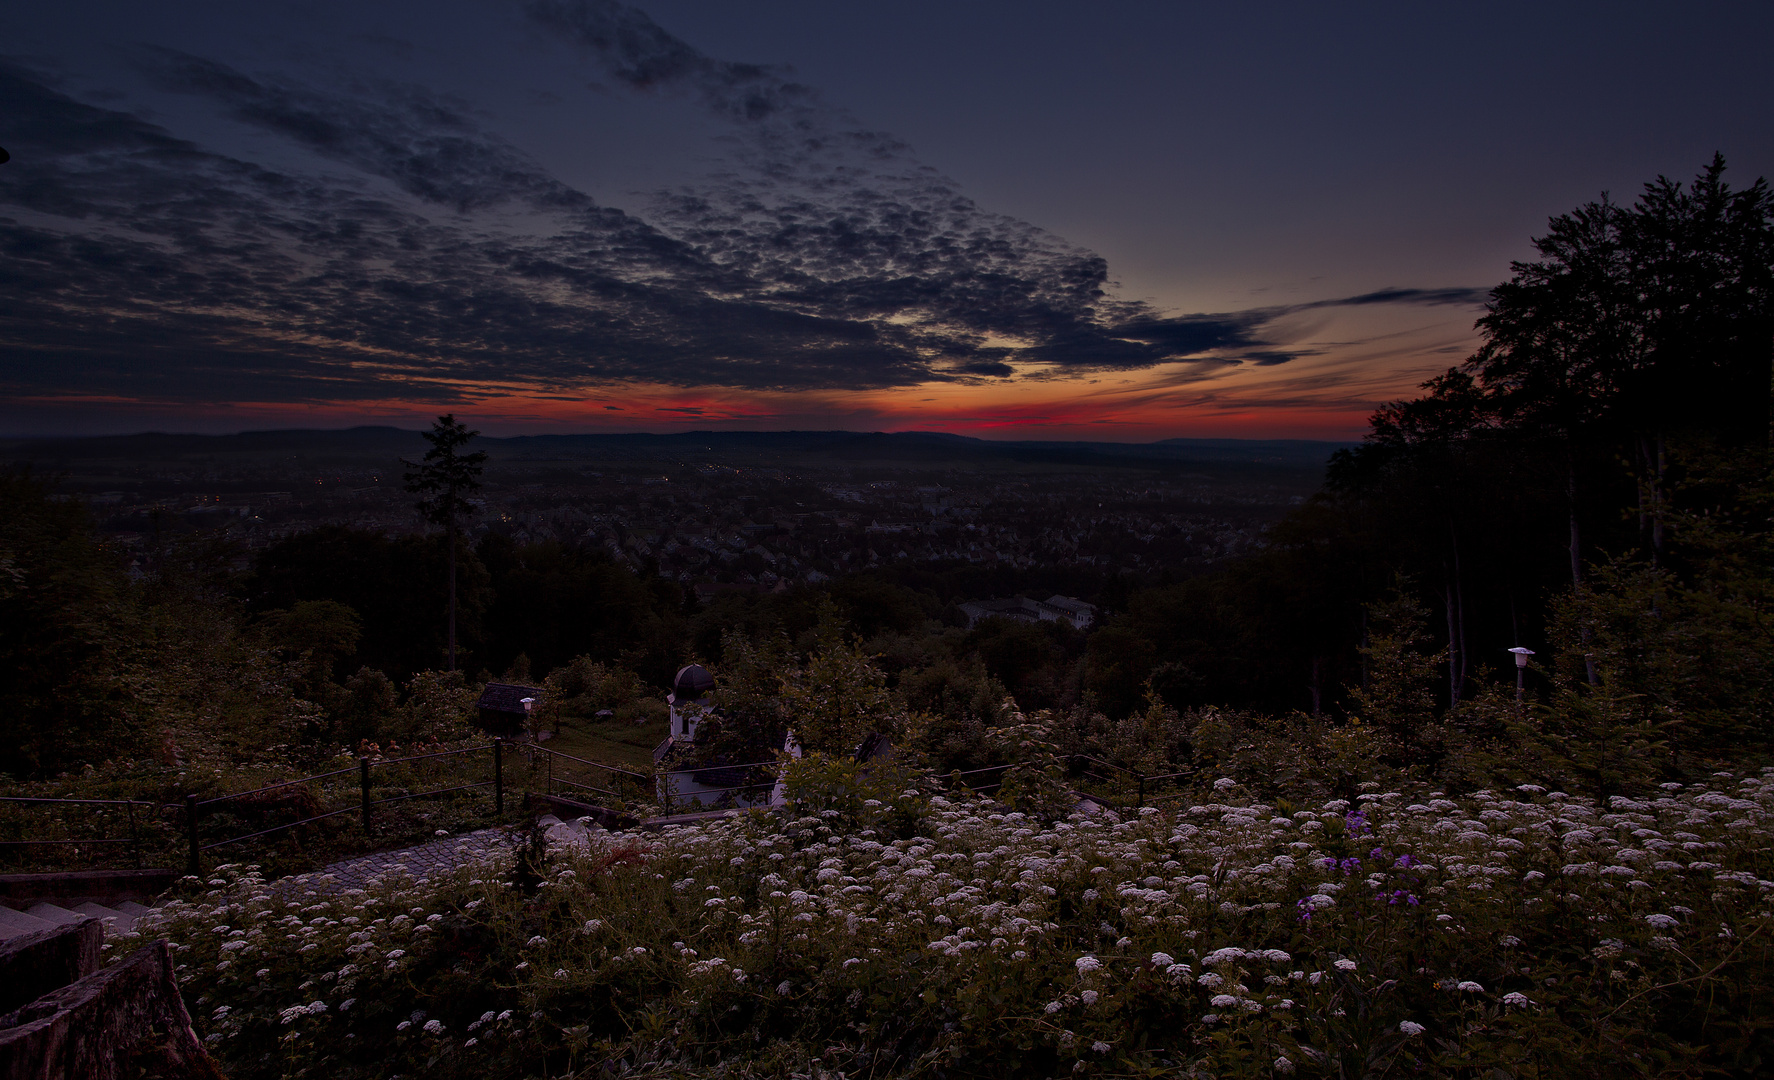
[[908, 446]]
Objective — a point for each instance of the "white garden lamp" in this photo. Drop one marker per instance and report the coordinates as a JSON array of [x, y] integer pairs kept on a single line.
[[529, 705], [1521, 670]]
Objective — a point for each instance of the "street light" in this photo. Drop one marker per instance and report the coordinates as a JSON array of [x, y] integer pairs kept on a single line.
[[1521, 670], [529, 704]]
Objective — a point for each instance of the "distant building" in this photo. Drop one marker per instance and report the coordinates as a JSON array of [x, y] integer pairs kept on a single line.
[[1055, 608], [500, 709]]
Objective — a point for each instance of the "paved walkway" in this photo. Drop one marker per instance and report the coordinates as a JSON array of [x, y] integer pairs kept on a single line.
[[435, 859]]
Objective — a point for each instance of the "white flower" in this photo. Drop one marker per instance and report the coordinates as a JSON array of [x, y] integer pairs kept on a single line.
[[1282, 1065], [1162, 960], [1509, 941], [783, 988], [1051, 1008], [1086, 964], [1224, 783], [1100, 1047], [560, 973], [396, 954], [1223, 1001], [1210, 980], [1088, 997], [1409, 1028], [1661, 922], [1470, 987], [470, 1043], [1516, 1001], [537, 940], [434, 1027], [403, 1025], [1344, 965]]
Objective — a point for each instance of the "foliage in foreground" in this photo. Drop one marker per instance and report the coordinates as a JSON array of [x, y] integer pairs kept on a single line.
[[1525, 933]]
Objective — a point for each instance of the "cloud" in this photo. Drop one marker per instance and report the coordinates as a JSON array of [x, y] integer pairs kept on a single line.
[[1461, 297], [428, 148], [643, 56], [392, 247]]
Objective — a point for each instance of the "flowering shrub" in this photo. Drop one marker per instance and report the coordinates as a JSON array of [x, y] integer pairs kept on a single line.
[[1519, 933]]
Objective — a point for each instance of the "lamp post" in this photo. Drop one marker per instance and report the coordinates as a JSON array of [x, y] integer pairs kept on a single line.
[[1521, 670], [529, 704]]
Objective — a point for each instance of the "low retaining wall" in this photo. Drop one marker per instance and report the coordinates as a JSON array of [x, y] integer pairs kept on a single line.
[[95, 885], [120, 1021], [35, 964]]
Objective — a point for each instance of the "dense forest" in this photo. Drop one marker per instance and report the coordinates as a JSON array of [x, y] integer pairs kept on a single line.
[[1593, 484]]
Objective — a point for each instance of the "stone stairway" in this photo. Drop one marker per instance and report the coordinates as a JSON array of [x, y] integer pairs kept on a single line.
[[118, 916]]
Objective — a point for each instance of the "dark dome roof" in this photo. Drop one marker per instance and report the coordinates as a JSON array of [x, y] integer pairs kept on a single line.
[[692, 682]]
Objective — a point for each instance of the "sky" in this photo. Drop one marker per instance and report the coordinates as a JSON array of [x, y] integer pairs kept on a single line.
[[1034, 220]]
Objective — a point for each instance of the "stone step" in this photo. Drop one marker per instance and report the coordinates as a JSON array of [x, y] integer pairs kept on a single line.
[[49, 912], [116, 922], [13, 923], [130, 907]]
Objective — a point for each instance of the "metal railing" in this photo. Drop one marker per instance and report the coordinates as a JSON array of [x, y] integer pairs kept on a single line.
[[616, 774], [670, 796], [195, 807], [614, 779], [134, 839]]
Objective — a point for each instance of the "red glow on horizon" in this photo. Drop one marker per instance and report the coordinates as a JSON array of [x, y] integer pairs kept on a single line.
[[1137, 414]]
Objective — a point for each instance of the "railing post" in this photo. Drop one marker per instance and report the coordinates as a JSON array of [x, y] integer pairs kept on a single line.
[[135, 840], [192, 864], [498, 775], [363, 776]]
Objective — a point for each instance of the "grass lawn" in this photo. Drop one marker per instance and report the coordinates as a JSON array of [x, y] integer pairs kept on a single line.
[[611, 742]]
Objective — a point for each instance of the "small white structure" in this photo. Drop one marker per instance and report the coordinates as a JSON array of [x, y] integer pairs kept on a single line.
[[687, 700], [704, 786]]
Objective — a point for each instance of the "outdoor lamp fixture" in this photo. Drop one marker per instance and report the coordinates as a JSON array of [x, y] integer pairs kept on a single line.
[[1521, 670], [529, 705]]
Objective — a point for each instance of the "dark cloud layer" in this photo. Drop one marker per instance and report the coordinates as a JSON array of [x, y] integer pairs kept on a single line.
[[137, 263]]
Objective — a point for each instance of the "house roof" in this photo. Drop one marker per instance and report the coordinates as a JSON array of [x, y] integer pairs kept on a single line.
[[506, 697]]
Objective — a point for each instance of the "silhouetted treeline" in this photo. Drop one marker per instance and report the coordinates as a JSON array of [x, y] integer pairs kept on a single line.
[[1620, 376]]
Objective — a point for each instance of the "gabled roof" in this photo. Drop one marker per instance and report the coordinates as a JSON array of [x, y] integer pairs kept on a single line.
[[506, 697]]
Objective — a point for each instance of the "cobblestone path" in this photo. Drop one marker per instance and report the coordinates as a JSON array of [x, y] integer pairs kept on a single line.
[[434, 859]]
